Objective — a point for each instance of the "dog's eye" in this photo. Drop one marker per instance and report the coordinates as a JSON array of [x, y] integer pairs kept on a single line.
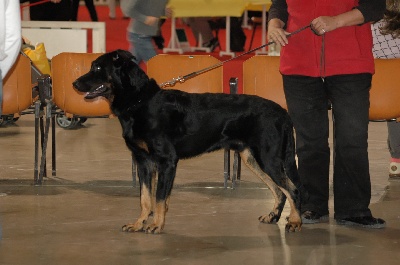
[[96, 68]]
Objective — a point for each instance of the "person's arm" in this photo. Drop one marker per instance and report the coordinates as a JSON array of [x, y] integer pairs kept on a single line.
[[129, 10], [366, 11], [13, 37], [324, 24], [277, 18]]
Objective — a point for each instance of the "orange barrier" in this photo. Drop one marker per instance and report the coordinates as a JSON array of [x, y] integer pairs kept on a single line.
[[165, 67], [261, 77], [17, 88], [385, 90], [65, 69]]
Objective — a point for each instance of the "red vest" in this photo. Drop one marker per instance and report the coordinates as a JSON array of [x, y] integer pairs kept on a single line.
[[348, 50]]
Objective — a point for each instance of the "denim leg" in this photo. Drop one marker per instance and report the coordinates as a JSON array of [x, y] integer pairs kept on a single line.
[[308, 108], [394, 138], [141, 46], [1, 93], [349, 95]]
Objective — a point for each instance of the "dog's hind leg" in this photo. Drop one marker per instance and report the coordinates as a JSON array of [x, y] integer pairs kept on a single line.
[[147, 176], [286, 189], [280, 197]]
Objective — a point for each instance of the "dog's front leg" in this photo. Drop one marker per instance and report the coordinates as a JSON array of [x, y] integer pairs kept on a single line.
[[147, 173], [166, 176]]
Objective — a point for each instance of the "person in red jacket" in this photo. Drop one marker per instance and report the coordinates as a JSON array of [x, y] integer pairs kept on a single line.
[[330, 64]]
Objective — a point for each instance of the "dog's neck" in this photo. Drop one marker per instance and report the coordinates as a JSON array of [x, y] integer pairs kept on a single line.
[[130, 102]]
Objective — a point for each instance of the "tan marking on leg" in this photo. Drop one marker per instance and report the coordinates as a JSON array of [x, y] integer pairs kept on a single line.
[[143, 145], [159, 217], [294, 220], [153, 190], [251, 163], [145, 204]]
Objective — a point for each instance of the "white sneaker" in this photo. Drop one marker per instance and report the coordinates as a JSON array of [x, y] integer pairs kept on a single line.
[[394, 170]]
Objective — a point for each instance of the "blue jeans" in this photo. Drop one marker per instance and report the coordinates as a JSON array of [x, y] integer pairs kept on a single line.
[[141, 46], [1, 93], [307, 99]]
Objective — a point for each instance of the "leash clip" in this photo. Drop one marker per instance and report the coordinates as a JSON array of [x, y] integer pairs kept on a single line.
[[172, 82]]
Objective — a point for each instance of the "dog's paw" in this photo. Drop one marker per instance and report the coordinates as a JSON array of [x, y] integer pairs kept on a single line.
[[293, 226], [153, 229], [271, 218], [136, 227]]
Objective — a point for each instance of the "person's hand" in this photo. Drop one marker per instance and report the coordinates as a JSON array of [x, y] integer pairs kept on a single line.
[[151, 20], [168, 12], [55, 1], [322, 25], [277, 34]]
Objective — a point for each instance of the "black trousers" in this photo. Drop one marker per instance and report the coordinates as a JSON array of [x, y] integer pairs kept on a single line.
[[90, 7], [307, 99], [51, 11]]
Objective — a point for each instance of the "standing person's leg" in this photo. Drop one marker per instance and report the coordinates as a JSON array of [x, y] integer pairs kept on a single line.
[[1, 93], [74, 11], [92, 10], [203, 27], [62, 11], [394, 148], [349, 95], [308, 108], [112, 6], [141, 46], [200, 26], [191, 22]]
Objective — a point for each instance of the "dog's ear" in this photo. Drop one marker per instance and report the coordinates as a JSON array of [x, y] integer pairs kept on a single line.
[[131, 73], [120, 57]]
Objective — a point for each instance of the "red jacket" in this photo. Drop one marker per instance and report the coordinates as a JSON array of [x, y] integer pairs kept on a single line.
[[347, 50]]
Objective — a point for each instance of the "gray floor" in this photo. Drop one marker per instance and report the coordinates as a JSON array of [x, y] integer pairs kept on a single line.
[[76, 217]]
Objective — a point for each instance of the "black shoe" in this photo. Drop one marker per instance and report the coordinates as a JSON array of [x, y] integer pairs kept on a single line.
[[310, 217], [212, 44], [365, 221]]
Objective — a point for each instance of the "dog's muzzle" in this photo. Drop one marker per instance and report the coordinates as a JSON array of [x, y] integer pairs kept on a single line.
[[99, 91]]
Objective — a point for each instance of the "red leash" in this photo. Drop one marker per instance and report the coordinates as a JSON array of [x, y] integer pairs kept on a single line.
[[37, 3]]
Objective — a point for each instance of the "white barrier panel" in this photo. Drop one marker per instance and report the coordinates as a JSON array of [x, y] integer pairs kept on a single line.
[[65, 36]]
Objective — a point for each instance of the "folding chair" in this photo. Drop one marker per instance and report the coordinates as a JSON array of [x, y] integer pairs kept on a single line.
[[58, 94], [20, 97]]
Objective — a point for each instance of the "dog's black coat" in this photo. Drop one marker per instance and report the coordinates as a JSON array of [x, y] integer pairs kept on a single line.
[[162, 126]]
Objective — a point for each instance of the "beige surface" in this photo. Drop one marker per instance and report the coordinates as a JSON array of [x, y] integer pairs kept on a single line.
[[76, 217]]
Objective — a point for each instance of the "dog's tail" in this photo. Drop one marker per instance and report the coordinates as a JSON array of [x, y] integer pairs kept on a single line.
[[290, 165]]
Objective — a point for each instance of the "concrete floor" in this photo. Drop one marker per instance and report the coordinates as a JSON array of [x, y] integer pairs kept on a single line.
[[76, 217]]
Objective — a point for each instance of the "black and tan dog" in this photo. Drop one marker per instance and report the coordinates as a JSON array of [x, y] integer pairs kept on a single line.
[[162, 126]]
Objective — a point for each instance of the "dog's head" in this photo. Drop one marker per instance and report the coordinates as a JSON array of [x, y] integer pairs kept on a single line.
[[112, 74]]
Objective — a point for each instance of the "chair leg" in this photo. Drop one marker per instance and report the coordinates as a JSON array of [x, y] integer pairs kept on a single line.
[[36, 166], [237, 165], [53, 144], [227, 162], [42, 172]]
